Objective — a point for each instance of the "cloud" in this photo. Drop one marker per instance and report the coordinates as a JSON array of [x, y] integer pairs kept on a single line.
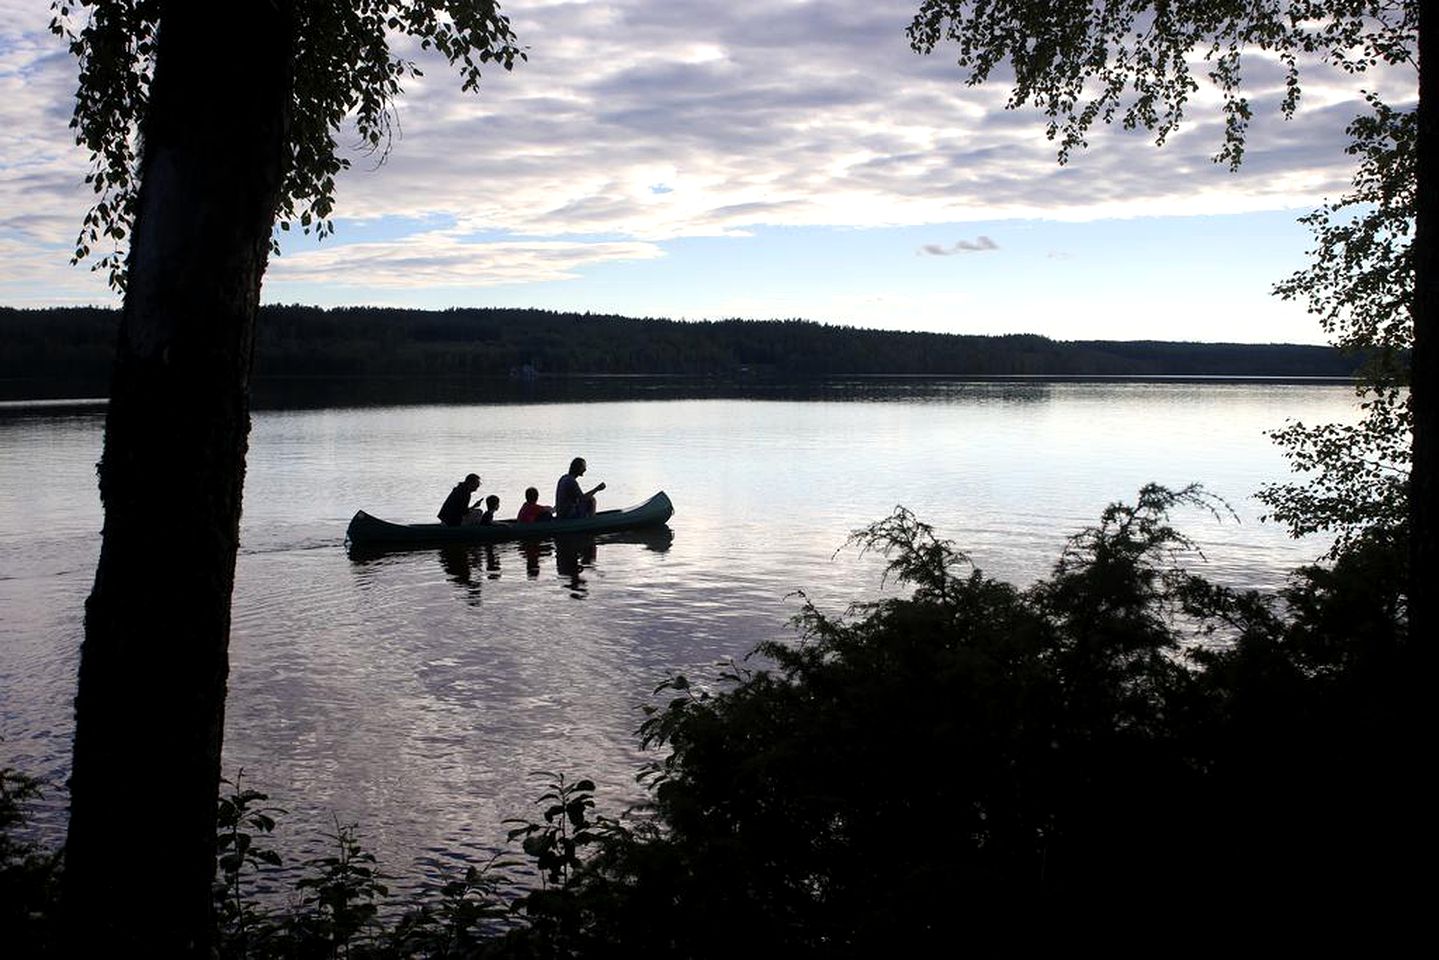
[[639, 122], [443, 259], [963, 246]]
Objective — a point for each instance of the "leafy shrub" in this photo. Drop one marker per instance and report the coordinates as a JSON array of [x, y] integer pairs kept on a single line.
[[1121, 747], [971, 762], [29, 876]]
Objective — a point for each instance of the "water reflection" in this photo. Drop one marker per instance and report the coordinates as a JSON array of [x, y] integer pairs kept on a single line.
[[573, 555], [468, 566], [533, 551], [328, 393], [377, 686]]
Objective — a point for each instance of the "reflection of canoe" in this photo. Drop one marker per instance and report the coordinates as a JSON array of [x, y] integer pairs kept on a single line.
[[372, 531]]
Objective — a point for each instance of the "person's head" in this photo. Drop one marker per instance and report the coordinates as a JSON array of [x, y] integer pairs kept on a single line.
[[531, 495], [473, 481], [493, 502], [577, 467]]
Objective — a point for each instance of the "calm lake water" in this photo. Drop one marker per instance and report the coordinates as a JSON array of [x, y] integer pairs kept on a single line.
[[415, 692]]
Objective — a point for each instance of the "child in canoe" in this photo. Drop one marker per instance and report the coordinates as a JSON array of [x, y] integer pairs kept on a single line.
[[532, 510], [478, 515]]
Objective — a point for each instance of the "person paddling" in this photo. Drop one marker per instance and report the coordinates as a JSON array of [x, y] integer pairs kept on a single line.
[[452, 512], [570, 500]]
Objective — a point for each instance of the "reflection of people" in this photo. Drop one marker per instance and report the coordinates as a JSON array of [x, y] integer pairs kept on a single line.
[[532, 551], [458, 564], [572, 556], [452, 512], [477, 514], [570, 500], [532, 510]]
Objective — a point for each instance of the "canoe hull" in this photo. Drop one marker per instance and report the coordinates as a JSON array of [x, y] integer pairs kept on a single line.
[[365, 530]]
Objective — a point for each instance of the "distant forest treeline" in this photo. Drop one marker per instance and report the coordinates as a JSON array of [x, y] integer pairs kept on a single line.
[[77, 343]]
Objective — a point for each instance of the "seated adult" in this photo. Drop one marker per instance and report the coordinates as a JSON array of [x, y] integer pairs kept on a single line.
[[532, 510], [570, 500], [452, 511]]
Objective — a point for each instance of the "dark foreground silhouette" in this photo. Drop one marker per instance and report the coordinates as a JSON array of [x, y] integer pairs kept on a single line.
[[1123, 750]]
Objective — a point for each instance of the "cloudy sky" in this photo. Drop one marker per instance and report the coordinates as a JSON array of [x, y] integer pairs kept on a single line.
[[769, 159]]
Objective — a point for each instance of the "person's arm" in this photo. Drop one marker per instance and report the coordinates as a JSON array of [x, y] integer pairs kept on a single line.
[[595, 490]]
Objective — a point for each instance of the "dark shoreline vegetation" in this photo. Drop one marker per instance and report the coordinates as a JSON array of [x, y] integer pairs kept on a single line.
[[1122, 747], [68, 351]]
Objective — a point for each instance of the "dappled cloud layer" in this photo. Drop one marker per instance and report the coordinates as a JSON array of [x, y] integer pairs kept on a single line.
[[638, 123]]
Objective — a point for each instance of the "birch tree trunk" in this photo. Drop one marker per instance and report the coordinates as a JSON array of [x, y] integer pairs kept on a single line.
[[149, 714]]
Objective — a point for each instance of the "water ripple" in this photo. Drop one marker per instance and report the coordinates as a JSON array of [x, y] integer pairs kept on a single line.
[[415, 693]]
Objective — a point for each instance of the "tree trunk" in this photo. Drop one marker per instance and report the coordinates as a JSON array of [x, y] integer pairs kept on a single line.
[[149, 713]]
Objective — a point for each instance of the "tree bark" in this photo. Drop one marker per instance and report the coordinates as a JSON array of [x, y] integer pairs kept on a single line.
[[149, 713]]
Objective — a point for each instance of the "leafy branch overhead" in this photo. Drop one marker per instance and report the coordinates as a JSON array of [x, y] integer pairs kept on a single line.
[[1131, 61], [1134, 62], [1359, 283], [344, 68]]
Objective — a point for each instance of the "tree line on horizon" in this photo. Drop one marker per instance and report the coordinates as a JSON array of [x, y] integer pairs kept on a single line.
[[77, 344]]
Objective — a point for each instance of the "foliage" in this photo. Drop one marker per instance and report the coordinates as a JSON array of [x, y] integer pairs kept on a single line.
[[949, 747], [563, 847], [340, 904], [937, 766], [556, 843], [242, 924], [29, 876], [340, 898], [1130, 61], [343, 906], [966, 762], [471, 910], [1359, 284], [344, 70]]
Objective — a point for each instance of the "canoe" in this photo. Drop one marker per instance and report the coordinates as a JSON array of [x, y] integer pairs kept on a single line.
[[365, 530]]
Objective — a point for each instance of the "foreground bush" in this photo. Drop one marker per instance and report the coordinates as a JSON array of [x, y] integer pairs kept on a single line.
[[1123, 743], [1122, 750], [29, 876]]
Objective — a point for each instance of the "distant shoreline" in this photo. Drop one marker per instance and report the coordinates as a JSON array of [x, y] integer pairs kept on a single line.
[[67, 352]]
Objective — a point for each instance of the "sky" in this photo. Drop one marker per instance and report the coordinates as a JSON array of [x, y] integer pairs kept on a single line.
[[774, 159]]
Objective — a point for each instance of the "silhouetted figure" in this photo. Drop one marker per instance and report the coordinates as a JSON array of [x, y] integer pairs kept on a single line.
[[482, 515], [452, 511], [532, 510], [570, 500]]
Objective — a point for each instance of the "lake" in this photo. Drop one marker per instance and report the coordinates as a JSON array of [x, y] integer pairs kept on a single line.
[[415, 692]]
